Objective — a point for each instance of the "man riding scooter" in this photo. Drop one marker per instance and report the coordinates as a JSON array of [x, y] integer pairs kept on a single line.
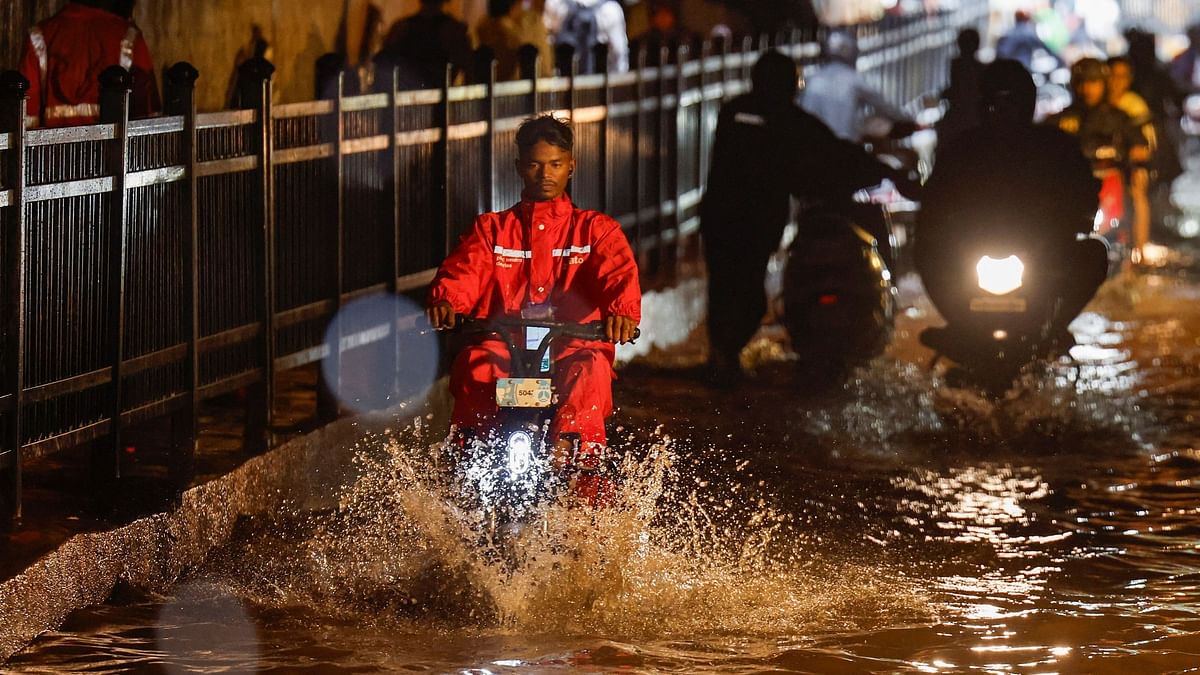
[[545, 259], [1001, 243]]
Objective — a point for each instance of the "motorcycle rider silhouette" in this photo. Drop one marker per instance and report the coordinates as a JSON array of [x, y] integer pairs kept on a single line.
[[1008, 186]]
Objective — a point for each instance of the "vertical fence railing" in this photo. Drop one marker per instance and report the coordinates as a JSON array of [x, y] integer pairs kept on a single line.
[[1160, 15], [12, 291], [151, 265]]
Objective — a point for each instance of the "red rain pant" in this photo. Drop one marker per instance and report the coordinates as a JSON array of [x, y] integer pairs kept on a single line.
[[582, 383]]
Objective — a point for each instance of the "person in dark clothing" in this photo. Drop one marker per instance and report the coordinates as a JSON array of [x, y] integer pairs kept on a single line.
[[1013, 181], [422, 44], [1185, 67], [1154, 84], [962, 95], [766, 150], [1151, 80]]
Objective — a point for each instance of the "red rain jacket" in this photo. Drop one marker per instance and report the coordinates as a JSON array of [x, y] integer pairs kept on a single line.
[[541, 252], [64, 57], [537, 252]]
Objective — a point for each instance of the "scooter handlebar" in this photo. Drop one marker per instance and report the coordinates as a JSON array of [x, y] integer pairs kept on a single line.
[[593, 330]]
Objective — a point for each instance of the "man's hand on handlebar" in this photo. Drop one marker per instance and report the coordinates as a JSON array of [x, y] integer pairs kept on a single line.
[[441, 315], [619, 329]]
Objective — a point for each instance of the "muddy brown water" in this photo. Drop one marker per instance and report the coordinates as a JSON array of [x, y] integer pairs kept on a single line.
[[895, 525]]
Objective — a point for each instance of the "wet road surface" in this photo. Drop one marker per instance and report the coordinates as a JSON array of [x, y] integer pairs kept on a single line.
[[893, 526]]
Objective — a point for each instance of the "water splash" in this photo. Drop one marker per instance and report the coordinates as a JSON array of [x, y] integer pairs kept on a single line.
[[694, 546]]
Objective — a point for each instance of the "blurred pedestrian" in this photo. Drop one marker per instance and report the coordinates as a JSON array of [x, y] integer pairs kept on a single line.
[[962, 94], [664, 31], [257, 47], [65, 54], [1185, 68], [508, 26], [1021, 42], [838, 95], [422, 45], [359, 38], [582, 24]]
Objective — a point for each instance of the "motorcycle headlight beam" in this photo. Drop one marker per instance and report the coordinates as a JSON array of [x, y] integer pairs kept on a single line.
[[520, 453], [1000, 276]]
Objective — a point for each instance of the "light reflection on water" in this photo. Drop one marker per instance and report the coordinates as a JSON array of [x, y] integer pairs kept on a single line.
[[896, 528]]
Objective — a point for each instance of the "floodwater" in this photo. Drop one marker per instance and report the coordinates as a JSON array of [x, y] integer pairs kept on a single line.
[[893, 526]]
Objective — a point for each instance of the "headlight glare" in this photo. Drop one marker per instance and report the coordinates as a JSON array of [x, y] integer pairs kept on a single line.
[[1000, 276], [520, 453]]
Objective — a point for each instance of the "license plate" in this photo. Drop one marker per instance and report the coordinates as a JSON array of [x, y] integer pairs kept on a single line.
[[523, 392], [1010, 305]]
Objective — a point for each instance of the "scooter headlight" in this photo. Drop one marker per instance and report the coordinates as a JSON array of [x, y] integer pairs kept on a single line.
[[520, 453], [1000, 276]]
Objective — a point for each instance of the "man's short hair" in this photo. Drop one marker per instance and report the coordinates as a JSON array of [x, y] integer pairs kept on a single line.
[[546, 128]]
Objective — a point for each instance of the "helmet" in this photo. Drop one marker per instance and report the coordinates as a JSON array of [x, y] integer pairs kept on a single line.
[[1087, 69], [1007, 89]]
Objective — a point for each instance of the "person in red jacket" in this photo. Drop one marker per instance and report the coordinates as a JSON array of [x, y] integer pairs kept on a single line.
[[545, 253], [65, 54]]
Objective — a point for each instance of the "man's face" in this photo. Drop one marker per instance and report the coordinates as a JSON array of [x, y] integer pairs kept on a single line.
[[545, 170], [1091, 92], [1120, 77]]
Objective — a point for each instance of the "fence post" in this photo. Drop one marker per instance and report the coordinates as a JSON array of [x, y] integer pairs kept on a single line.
[[660, 165], [527, 63], [180, 86], [392, 126], [530, 62], [681, 117], [115, 85], [703, 140], [327, 400], [13, 87], [639, 248], [605, 197], [254, 81], [481, 66], [444, 163], [487, 168]]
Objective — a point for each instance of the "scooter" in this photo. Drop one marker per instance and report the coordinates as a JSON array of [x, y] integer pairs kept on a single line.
[[838, 294], [839, 300], [1002, 303], [507, 475]]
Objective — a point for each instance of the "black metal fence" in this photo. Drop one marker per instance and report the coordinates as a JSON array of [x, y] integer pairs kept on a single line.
[[150, 265]]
